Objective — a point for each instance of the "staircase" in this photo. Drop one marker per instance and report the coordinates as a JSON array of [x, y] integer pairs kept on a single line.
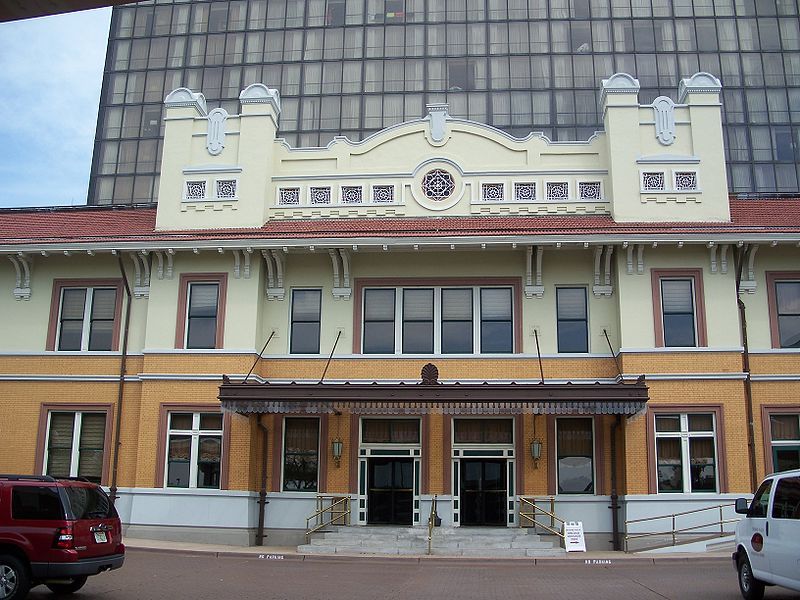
[[489, 542]]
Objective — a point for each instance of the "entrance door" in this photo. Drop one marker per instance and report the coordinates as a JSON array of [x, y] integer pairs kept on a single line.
[[484, 489], [390, 491]]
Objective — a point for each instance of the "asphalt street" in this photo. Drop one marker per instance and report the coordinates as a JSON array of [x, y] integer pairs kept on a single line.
[[175, 575]]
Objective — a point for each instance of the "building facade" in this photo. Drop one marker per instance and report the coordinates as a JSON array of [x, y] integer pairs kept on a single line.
[[354, 67], [441, 311]]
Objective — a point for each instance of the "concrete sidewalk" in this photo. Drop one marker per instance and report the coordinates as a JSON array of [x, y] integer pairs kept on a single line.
[[290, 553]]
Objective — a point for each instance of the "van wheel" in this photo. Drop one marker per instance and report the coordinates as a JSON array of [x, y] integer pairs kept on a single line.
[[62, 589], [751, 588], [14, 580]]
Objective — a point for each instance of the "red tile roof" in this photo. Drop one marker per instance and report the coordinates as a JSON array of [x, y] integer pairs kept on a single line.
[[109, 226]]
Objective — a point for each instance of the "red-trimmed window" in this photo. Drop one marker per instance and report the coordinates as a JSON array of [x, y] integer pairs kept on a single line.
[[76, 444], [783, 292], [201, 311], [678, 308], [85, 315]]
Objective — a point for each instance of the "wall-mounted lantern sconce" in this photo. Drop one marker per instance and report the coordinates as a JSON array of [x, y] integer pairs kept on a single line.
[[536, 452], [336, 450]]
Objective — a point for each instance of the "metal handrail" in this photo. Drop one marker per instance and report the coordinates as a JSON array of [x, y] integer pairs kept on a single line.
[[432, 518], [676, 530], [530, 516], [337, 510]]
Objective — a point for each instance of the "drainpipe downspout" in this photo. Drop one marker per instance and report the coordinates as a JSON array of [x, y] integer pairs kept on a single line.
[[121, 383], [614, 497], [748, 384], [262, 494]]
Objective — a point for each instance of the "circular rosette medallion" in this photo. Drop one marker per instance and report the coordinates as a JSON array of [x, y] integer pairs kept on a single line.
[[438, 185]]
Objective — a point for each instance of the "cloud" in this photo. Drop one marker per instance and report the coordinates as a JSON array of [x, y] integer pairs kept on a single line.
[[51, 70]]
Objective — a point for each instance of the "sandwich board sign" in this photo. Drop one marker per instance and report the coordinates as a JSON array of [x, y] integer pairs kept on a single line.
[[573, 537]]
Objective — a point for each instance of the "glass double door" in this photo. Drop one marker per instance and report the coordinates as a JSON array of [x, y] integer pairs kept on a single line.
[[390, 491], [483, 491]]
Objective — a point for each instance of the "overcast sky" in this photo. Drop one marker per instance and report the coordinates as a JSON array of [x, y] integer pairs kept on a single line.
[[51, 69]]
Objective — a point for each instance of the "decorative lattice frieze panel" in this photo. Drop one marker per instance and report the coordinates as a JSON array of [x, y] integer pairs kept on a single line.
[[352, 194], [557, 190], [685, 181], [226, 189], [383, 194], [320, 195], [195, 190], [492, 192], [653, 182], [289, 196], [525, 192], [589, 190]]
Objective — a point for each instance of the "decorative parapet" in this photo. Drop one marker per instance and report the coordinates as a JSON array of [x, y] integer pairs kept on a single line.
[[258, 93], [699, 83], [186, 98], [619, 83]]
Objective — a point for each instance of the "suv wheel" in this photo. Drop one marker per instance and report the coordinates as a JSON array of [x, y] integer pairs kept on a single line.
[[751, 588], [62, 589], [14, 580]]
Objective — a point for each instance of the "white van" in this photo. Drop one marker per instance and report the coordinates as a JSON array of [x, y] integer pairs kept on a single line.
[[768, 537]]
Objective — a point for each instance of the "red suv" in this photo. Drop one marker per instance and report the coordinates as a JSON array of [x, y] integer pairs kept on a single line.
[[55, 532]]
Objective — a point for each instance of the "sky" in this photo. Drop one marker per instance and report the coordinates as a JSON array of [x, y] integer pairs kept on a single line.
[[51, 69]]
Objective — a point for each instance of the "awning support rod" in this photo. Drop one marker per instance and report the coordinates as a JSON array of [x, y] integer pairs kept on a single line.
[[539, 354], [613, 354], [258, 358]]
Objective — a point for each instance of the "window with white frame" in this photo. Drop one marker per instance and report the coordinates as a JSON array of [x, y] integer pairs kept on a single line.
[[572, 319], [300, 454], [787, 308], [194, 450], [785, 441], [306, 309], [75, 444], [575, 455], [86, 318], [201, 315], [686, 457], [678, 312], [440, 320]]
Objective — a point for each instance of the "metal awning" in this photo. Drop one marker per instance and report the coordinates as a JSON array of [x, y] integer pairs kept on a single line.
[[433, 397]]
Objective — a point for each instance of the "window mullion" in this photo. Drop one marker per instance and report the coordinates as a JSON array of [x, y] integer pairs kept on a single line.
[[76, 441], [87, 318], [477, 320], [437, 320], [194, 456]]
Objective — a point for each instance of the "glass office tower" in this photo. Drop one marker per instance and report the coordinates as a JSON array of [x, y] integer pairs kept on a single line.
[[352, 67]]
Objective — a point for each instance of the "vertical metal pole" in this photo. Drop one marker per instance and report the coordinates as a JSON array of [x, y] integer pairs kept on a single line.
[[721, 526], [673, 529], [262, 494]]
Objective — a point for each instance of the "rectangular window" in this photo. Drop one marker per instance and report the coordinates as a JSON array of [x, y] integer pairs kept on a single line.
[[306, 309], [686, 453], [496, 321], [75, 445], [785, 441], [438, 320], [417, 321], [575, 455], [390, 431], [572, 320], [379, 309], [194, 450], [677, 309], [300, 454], [787, 309], [36, 502], [483, 431], [201, 316], [87, 318]]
